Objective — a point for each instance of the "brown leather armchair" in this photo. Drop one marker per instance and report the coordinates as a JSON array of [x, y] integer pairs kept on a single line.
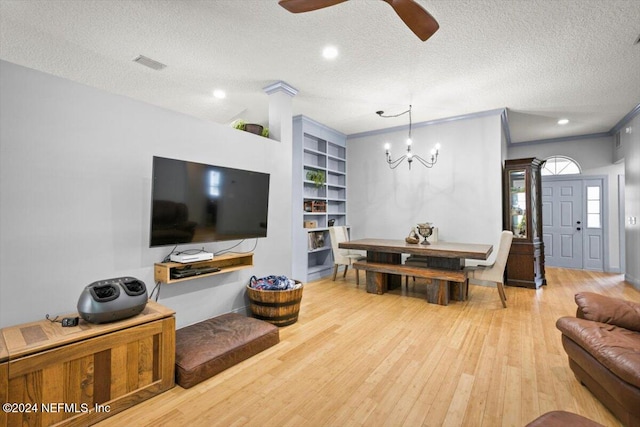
[[603, 345]]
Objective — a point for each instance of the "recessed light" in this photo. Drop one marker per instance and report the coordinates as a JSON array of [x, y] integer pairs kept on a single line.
[[330, 52], [220, 94], [563, 121]]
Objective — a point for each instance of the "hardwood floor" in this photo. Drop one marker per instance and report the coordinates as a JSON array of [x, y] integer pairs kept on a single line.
[[355, 358]]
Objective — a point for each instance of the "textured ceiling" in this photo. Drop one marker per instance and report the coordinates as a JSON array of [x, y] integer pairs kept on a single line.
[[541, 59]]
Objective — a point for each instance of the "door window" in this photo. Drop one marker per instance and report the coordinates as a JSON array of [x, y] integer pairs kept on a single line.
[[560, 165], [593, 207]]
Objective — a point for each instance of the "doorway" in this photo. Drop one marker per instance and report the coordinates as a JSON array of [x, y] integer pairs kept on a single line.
[[573, 222]]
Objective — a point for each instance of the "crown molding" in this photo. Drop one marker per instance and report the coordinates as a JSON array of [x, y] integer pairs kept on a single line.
[[626, 119], [427, 123], [615, 129], [280, 86], [561, 139], [504, 118], [307, 120]]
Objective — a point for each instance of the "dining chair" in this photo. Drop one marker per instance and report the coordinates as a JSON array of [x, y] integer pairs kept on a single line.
[[346, 257], [494, 272]]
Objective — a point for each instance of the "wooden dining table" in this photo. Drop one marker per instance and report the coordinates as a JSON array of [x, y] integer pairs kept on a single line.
[[441, 262]]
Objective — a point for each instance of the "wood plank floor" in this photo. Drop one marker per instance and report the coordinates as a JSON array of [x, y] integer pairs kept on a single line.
[[355, 358]]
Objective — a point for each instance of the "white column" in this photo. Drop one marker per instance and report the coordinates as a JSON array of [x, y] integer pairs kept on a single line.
[[281, 129], [280, 111]]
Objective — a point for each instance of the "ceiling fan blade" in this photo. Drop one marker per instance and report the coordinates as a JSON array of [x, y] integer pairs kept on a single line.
[[417, 19], [297, 6]]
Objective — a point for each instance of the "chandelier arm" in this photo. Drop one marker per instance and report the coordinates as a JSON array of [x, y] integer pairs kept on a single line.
[[387, 116], [394, 163], [427, 163], [410, 122]]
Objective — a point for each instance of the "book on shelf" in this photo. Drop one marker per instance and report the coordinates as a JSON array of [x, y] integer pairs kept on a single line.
[[316, 240]]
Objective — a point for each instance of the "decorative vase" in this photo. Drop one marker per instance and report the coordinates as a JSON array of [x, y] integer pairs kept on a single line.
[[254, 128], [425, 230]]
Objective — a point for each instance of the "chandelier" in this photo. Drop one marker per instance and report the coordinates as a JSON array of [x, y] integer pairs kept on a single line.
[[409, 156]]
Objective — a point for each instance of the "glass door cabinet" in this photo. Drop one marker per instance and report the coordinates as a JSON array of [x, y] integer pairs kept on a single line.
[[518, 203], [523, 216]]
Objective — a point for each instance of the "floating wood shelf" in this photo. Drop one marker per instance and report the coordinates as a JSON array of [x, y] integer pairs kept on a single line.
[[226, 263]]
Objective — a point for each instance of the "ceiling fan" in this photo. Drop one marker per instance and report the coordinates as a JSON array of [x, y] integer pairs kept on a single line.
[[414, 16]]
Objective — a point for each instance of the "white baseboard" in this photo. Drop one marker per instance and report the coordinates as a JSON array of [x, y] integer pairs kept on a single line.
[[633, 280]]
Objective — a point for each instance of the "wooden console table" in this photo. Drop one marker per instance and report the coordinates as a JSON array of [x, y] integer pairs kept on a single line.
[[4, 379], [446, 260], [77, 376]]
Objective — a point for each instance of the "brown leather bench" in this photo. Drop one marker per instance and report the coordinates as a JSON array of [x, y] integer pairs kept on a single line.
[[211, 346]]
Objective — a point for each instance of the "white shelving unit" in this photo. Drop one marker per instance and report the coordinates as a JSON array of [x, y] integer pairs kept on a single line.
[[317, 148]]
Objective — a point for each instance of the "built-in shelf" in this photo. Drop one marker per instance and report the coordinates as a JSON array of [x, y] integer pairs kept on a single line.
[[319, 249], [317, 148], [226, 263]]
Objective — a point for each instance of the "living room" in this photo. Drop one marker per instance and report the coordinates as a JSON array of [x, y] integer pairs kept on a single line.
[[76, 176]]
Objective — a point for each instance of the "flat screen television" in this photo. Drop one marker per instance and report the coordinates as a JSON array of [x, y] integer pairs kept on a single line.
[[198, 203]]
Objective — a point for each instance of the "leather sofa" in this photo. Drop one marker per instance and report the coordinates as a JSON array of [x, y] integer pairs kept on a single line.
[[603, 346]]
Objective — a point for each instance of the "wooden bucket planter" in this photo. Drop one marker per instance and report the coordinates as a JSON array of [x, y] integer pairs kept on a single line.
[[279, 308]]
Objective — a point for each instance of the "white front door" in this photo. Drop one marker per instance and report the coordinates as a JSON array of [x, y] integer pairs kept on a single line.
[[562, 223], [573, 222]]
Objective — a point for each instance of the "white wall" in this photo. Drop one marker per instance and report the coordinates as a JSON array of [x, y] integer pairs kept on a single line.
[[461, 194], [629, 150], [594, 155], [75, 193]]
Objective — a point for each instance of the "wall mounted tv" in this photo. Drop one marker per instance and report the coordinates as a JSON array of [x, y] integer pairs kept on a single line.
[[198, 203]]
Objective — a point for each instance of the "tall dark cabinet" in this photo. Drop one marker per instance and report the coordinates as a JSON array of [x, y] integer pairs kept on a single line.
[[523, 215]]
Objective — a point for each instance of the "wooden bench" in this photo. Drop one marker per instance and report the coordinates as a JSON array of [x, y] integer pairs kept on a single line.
[[439, 291]]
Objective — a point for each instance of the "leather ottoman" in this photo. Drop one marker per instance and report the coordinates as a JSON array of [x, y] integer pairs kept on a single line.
[[211, 346]]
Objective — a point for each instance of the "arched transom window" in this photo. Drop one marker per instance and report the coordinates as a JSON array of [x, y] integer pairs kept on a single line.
[[560, 165]]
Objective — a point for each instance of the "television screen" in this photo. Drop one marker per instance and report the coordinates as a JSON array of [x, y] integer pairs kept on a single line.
[[197, 203]]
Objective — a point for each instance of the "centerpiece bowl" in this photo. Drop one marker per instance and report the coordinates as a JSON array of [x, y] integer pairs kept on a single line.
[[425, 230]]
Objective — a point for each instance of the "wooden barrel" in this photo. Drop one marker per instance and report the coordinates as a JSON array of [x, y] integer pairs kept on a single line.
[[280, 308]]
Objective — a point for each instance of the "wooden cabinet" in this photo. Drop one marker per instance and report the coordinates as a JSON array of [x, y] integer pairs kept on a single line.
[[523, 215], [226, 263], [317, 150], [77, 376]]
